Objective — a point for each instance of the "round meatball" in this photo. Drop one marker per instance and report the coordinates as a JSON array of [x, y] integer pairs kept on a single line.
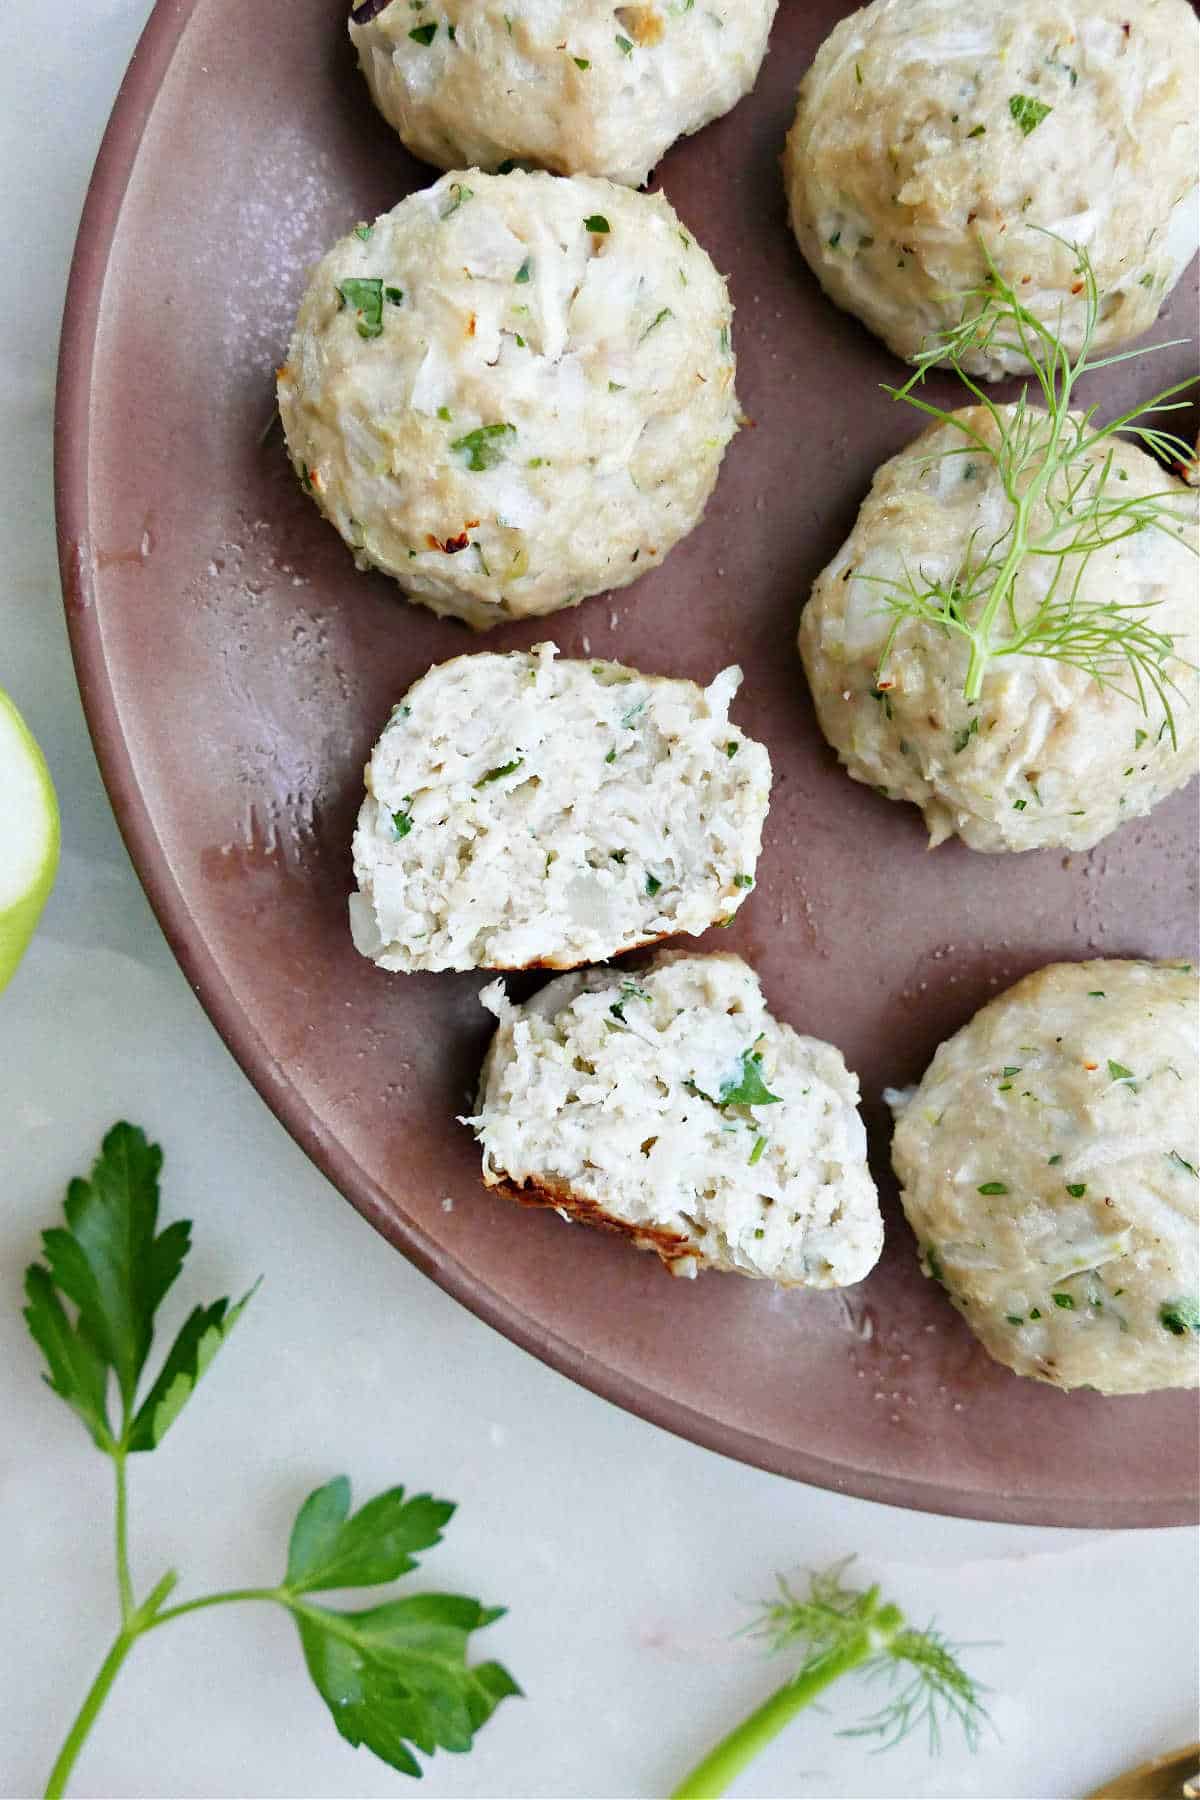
[[1049, 1164], [927, 129], [512, 391], [667, 1104], [1047, 755], [580, 87], [522, 810]]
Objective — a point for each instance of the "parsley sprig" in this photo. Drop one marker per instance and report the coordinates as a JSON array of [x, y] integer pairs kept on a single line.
[[394, 1676], [841, 1630], [1058, 476]]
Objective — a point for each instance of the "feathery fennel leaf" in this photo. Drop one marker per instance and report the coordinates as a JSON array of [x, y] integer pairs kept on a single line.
[[937, 1691], [1056, 468], [841, 1630]]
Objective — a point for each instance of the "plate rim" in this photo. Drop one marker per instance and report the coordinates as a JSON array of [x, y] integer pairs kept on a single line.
[[86, 282]]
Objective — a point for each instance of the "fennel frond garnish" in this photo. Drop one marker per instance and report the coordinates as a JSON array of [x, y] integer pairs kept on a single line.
[[1056, 468], [840, 1630]]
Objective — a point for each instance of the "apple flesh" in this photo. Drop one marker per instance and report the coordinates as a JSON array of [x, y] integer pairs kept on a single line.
[[29, 836]]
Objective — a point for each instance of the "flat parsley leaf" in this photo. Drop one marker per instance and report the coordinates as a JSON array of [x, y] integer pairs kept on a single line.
[[664, 313], [508, 768], [459, 195], [1180, 1316], [109, 1260], [200, 1337], [114, 1266], [484, 447], [749, 1089], [77, 1372], [329, 1548], [395, 1677], [1028, 112], [365, 296]]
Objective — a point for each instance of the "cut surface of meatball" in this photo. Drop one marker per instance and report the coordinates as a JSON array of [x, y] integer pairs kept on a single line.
[[525, 810], [665, 1103]]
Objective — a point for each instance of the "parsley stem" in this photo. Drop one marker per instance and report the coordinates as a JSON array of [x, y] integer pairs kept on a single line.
[[124, 1583], [136, 1621], [222, 1599], [712, 1776], [97, 1694]]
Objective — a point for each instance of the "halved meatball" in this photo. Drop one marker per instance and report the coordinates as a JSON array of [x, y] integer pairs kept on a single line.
[[522, 810], [667, 1104]]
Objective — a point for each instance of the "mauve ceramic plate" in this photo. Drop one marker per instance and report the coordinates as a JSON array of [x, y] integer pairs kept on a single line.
[[236, 670]]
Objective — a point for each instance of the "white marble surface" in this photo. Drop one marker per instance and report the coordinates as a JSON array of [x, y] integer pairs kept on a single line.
[[624, 1555]]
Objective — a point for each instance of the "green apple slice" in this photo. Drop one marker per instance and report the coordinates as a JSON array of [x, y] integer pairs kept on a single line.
[[29, 836]]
